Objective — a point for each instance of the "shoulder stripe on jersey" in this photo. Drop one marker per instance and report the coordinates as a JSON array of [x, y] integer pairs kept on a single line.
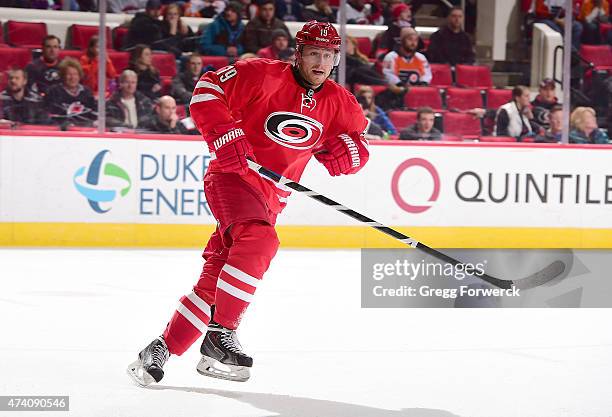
[[206, 84], [202, 97]]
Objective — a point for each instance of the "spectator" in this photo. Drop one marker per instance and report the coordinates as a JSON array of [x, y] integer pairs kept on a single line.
[[89, 63], [424, 128], [184, 83], [20, 104], [552, 13], [544, 102], [204, 8], [407, 66], [145, 28], [516, 118], [320, 11], [166, 120], [375, 113], [287, 55], [70, 101], [248, 9], [362, 12], [176, 34], [289, 10], [224, 35], [374, 131], [258, 32], [451, 44], [128, 107], [359, 70], [43, 73], [592, 14], [402, 18], [280, 41], [141, 62], [584, 128], [119, 6], [554, 133]]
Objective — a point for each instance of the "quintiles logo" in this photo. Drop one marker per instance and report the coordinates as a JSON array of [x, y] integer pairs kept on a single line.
[[101, 182]]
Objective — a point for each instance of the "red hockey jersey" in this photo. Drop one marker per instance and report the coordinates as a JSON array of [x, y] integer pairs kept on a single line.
[[284, 121]]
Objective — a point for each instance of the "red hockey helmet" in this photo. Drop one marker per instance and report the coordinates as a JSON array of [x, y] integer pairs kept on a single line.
[[318, 34]]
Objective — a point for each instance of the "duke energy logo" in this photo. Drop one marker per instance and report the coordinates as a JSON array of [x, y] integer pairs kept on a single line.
[[101, 182]]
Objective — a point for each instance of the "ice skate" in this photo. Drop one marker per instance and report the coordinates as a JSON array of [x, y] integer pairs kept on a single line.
[[222, 355], [149, 366]]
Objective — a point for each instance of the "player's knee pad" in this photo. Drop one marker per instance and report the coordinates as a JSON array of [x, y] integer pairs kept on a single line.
[[254, 240]]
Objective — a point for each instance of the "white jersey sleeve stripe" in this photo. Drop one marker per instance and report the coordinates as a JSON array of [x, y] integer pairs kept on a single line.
[[191, 318], [206, 84], [198, 302], [236, 292], [240, 275], [202, 97]]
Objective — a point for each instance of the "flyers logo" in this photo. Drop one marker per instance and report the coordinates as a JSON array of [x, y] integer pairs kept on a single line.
[[293, 130]]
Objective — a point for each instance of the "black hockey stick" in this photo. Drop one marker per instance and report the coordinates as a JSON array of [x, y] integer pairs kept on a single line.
[[547, 274]]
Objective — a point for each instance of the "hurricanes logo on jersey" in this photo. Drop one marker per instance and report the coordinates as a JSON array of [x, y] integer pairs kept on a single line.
[[293, 130]]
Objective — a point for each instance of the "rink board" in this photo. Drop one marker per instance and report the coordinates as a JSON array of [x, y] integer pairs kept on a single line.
[[119, 190]]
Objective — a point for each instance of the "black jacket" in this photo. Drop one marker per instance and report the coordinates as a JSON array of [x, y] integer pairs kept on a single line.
[[41, 77], [116, 111], [143, 29], [448, 47], [64, 107], [30, 109], [146, 80]]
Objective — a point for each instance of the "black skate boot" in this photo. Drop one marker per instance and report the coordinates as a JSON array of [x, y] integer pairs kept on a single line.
[[149, 366], [222, 355]]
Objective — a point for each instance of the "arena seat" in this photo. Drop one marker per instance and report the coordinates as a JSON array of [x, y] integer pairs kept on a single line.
[[402, 119], [14, 57], [364, 44], [25, 34], [2, 44], [119, 59], [462, 124], [604, 28], [79, 36], [70, 53], [474, 76], [498, 97], [119, 33], [216, 62], [599, 55], [497, 139], [463, 98], [442, 76], [165, 64], [423, 96]]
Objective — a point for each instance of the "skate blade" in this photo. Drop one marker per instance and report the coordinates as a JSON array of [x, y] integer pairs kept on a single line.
[[215, 369], [141, 377]]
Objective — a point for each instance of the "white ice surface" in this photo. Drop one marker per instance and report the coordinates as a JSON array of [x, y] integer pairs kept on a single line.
[[72, 320]]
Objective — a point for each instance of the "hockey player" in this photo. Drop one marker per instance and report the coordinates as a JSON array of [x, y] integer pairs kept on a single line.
[[279, 115]]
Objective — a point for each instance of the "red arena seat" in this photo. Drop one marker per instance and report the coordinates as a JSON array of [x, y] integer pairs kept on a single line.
[[497, 98], [165, 64], [14, 58], [423, 96], [70, 53], [599, 55], [462, 124], [442, 76], [475, 76], [119, 59], [25, 34], [402, 119], [80, 35], [217, 62], [364, 44], [463, 98], [119, 33]]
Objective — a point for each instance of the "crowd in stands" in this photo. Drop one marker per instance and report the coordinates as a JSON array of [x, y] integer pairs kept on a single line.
[[409, 88]]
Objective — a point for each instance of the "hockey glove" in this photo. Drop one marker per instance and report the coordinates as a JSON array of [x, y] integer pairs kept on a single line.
[[340, 156], [231, 150]]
